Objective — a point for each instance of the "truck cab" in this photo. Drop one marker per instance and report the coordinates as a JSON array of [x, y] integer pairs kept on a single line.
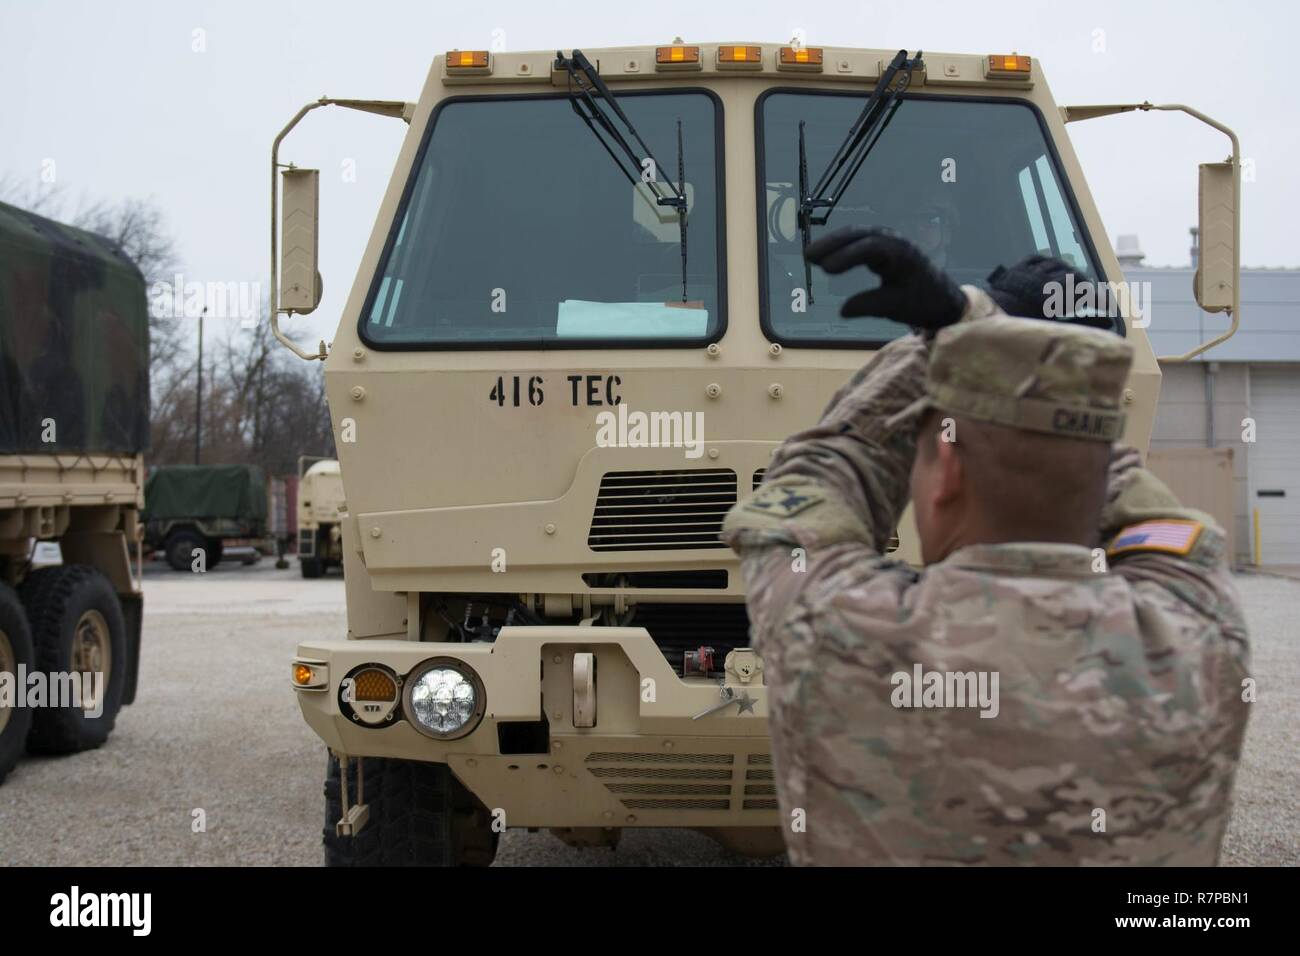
[[320, 507], [581, 325]]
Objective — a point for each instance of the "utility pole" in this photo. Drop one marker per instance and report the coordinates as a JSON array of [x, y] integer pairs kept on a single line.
[[198, 399]]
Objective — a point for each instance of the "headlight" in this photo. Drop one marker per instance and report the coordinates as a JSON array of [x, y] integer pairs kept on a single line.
[[444, 699]]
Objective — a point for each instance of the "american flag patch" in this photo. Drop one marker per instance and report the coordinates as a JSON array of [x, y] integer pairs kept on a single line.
[[1173, 536]]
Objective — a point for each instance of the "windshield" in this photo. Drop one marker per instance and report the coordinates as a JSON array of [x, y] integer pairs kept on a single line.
[[972, 182], [519, 228]]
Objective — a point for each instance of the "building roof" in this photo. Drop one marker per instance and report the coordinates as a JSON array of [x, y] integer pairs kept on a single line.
[[1270, 315]]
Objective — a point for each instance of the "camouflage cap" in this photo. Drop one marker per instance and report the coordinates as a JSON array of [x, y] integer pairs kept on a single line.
[[1038, 375]]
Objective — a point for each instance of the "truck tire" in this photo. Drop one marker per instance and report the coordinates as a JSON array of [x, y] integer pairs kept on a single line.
[[180, 546], [312, 567], [15, 649], [420, 815], [215, 549], [77, 627]]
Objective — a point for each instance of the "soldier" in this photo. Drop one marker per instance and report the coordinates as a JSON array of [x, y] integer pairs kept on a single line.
[[1016, 701]]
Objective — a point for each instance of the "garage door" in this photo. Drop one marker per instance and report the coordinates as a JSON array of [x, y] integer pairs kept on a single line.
[[1275, 461]]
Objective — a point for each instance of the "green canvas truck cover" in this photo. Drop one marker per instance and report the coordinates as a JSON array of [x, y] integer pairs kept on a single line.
[[74, 341], [237, 492]]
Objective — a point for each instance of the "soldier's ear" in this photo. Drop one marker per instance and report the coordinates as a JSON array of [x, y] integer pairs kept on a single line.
[[949, 473]]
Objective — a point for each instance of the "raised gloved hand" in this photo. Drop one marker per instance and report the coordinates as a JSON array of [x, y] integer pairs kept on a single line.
[[912, 290], [1030, 286]]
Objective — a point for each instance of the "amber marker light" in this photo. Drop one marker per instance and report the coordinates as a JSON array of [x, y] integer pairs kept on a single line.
[[740, 54], [467, 60], [800, 57], [677, 55], [1009, 65]]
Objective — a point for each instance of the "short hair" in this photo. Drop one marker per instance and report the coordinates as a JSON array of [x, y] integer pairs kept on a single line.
[[1035, 486]]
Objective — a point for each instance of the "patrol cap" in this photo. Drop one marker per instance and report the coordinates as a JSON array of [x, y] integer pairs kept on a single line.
[[1034, 374]]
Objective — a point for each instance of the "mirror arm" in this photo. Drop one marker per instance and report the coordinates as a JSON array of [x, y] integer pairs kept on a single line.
[[394, 108], [1072, 114]]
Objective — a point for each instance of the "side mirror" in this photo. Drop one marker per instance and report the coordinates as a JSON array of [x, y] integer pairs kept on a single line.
[[1216, 269], [300, 285]]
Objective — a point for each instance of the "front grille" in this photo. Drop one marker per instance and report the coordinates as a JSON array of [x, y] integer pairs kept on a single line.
[[661, 510], [650, 781]]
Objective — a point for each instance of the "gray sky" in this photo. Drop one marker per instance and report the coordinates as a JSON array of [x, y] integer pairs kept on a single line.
[[115, 95]]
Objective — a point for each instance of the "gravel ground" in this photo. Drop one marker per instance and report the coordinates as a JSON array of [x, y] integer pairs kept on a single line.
[[215, 728]]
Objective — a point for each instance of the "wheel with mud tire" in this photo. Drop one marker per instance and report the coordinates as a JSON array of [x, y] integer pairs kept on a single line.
[[420, 815], [78, 629], [15, 649], [180, 547]]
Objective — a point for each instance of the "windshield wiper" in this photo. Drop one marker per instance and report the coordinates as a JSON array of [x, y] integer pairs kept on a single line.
[[584, 85], [857, 145]]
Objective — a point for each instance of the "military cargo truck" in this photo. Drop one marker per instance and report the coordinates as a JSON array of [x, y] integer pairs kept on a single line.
[[582, 323], [74, 422], [191, 512], [320, 506]]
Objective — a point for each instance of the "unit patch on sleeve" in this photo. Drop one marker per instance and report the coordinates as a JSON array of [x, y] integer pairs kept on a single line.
[[784, 501], [1169, 535]]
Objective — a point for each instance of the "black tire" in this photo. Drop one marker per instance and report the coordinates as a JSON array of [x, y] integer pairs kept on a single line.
[[15, 649], [58, 602], [180, 546], [420, 815], [215, 549], [312, 567]]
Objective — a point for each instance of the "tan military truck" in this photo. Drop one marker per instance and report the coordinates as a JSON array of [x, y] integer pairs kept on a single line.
[[581, 324], [320, 505], [74, 418]]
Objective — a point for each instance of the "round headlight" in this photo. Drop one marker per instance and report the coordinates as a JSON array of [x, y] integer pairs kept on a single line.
[[444, 700]]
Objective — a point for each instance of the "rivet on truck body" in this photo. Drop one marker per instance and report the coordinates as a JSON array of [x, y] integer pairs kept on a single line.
[[774, 349], [550, 529], [713, 390], [358, 393], [1129, 397], [775, 390], [358, 354], [375, 532], [713, 350]]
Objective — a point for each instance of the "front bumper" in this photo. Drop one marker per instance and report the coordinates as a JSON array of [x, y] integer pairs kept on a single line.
[[645, 762]]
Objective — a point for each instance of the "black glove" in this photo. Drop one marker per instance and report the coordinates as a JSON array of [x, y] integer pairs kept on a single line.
[[1025, 289], [912, 290]]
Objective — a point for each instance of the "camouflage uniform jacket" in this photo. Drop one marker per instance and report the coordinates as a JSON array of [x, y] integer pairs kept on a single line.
[[1119, 714]]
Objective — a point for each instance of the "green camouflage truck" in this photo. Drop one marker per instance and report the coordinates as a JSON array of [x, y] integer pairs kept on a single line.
[[74, 423], [192, 511]]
